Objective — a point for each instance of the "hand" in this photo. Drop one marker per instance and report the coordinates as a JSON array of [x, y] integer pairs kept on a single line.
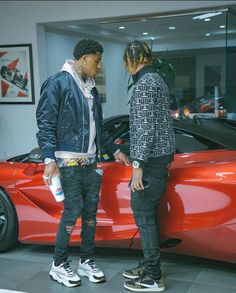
[[122, 157], [50, 170], [137, 179]]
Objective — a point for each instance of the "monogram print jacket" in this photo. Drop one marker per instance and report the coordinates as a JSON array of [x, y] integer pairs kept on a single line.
[[151, 125]]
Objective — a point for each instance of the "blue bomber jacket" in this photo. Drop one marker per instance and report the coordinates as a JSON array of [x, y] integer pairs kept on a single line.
[[63, 118], [151, 125]]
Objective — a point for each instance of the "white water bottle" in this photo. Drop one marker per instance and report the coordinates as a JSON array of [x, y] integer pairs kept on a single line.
[[56, 188]]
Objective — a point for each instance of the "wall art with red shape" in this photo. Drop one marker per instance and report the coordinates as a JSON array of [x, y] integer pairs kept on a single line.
[[16, 74]]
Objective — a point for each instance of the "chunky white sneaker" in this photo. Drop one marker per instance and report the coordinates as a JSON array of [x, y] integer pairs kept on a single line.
[[90, 269], [65, 274]]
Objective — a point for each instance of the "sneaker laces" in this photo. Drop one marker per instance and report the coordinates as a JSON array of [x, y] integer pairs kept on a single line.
[[140, 267], [93, 265], [67, 267], [144, 275], [140, 264]]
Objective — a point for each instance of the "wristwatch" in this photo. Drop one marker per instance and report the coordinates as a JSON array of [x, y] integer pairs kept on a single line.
[[48, 161], [136, 164]]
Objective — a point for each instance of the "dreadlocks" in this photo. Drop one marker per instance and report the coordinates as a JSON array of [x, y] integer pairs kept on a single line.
[[87, 46], [138, 52]]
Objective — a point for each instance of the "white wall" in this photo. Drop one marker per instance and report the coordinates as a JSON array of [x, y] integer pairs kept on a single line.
[[59, 47], [18, 25], [115, 80]]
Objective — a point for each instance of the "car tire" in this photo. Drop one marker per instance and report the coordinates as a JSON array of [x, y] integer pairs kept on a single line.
[[8, 222]]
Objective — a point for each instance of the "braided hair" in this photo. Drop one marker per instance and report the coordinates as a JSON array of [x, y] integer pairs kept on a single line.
[[87, 46], [137, 53]]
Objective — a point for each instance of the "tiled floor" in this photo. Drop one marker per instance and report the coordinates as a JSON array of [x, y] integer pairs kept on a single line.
[[26, 267]]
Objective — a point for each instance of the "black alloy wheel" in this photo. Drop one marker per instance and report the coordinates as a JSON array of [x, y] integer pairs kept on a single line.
[[8, 222]]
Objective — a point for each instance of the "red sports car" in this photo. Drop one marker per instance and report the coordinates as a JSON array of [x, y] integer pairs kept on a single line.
[[198, 210]]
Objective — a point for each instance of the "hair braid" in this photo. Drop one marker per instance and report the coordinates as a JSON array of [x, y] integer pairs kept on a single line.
[[137, 52]]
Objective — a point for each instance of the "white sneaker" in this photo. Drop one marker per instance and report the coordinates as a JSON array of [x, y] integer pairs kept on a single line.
[[65, 274], [90, 269]]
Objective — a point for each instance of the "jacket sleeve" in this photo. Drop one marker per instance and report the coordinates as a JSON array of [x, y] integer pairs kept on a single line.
[[145, 121], [47, 116]]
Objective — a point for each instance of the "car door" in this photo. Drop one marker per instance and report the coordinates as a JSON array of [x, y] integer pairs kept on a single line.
[[38, 212]]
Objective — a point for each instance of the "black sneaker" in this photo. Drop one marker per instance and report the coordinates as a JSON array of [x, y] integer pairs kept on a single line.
[[145, 284], [133, 273]]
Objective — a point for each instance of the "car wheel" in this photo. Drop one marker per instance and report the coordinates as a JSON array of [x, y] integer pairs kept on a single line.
[[8, 222]]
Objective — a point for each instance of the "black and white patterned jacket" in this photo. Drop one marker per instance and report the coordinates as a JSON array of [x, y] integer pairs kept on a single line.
[[151, 125]]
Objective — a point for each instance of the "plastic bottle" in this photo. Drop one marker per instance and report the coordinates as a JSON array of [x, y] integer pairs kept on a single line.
[[56, 189]]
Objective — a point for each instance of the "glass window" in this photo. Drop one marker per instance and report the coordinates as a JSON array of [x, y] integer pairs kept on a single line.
[[194, 45], [197, 50], [231, 65]]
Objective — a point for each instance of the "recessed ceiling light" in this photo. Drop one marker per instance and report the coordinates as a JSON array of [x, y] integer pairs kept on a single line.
[[145, 33], [144, 19], [121, 27], [222, 26], [207, 15], [74, 26], [207, 19], [207, 35], [172, 27], [152, 38]]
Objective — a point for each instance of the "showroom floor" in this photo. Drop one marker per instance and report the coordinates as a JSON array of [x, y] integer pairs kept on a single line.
[[25, 269]]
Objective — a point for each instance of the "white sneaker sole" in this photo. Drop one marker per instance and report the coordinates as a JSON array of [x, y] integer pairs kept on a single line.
[[144, 289], [129, 276], [82, 273], [57, 278]]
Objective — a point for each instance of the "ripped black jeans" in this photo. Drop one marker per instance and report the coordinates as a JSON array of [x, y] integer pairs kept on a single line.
[[145, 206], [81, 186]]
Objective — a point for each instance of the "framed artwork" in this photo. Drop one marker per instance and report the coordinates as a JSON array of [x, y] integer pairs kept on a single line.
[[16, 74]]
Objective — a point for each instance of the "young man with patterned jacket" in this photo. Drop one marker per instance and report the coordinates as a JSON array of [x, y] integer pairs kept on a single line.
[[152, 148]]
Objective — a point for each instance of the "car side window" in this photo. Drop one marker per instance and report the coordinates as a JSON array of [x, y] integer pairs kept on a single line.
[[188, 143], [185, 143], [117, 129]]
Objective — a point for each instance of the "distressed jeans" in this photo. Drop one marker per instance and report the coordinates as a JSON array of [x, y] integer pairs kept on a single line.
[[145, 206], [81, 186]]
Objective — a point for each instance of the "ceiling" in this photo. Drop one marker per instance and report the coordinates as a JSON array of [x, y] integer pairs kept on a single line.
[[161, 29]]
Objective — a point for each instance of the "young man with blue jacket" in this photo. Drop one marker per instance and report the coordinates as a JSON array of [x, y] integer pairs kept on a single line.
[[72, 137]]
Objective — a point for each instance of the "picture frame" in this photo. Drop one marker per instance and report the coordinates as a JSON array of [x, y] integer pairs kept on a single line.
[[16, 74]]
